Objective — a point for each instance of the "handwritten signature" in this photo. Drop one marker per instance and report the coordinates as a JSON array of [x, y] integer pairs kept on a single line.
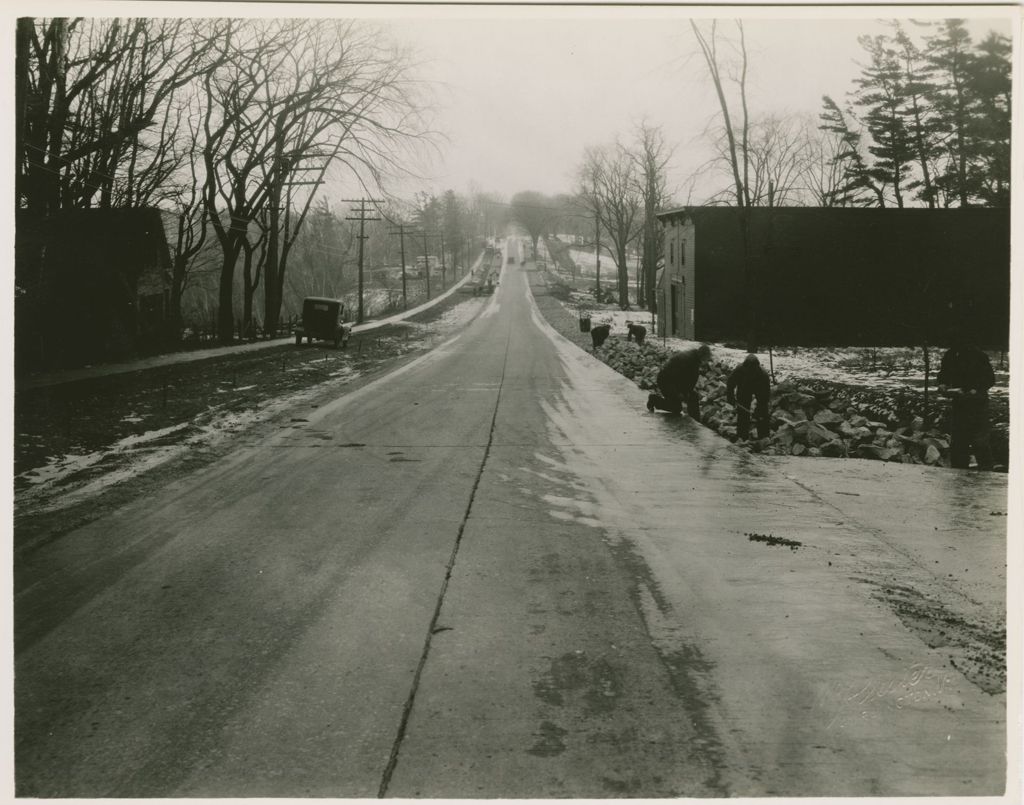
[[916, 685]]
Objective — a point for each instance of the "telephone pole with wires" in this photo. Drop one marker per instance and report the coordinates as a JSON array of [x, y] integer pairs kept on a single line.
[[401, 244], [362, 217]]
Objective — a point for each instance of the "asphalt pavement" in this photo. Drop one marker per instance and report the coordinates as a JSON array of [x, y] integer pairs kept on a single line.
[[492, 573]]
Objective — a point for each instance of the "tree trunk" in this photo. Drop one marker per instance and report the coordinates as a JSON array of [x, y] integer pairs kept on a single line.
[[226, 296], [623, 275], [248, 291], [177, 289], [271, 300]]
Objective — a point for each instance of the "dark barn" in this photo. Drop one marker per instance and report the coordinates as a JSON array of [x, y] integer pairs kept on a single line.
[[840, 276], [91, 285]]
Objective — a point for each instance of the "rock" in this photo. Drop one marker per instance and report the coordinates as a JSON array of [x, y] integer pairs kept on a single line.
[[863, 434], [798, 399], [932, 454], [785, 435], [917, 424], [797, 449], [847, 430], [859, 421], [876, 452], [828, 418], [817, 435], [784, 415], [834, 449], [813, 452]]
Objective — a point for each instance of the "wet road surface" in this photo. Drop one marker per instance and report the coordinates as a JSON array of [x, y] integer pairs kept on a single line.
[[493, 574]]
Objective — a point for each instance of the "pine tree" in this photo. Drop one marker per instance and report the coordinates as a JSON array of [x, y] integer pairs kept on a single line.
[[950, 55], [856, 175], [924, 126], [883, 95], [989, 84]]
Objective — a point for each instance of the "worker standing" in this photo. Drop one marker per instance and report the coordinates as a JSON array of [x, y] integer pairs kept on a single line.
[[746, 383], [965, 376], [677, 382]]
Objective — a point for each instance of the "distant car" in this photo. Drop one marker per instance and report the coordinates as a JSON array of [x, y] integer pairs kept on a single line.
[[323, 319]]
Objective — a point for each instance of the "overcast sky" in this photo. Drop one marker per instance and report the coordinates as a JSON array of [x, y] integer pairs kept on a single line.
[[523, 90], [526, 90]]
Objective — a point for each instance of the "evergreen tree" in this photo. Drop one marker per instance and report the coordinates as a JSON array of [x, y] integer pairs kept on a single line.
[[950, 55], [857, 177], [923, 125], [883, 95], [989, 84]]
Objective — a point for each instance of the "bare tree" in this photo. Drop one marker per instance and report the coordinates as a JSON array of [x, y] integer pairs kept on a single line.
[[779, 148], [738, 151], [291, 91], [608, 187], [91, 89], [824, 175], [192, 223], [651, 157], [534, 212]]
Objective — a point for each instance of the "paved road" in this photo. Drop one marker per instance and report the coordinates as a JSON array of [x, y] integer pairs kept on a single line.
[[488, 574]]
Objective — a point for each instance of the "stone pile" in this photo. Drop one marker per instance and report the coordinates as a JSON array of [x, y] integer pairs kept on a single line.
[[820, 420]]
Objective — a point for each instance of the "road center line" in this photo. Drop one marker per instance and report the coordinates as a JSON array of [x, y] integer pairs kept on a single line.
[[389, 770]]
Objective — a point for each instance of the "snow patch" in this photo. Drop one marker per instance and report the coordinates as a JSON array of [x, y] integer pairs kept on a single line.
[[56, 485]]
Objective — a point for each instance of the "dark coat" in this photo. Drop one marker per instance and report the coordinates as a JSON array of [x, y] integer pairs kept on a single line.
[[966, 368], [599, 334], [679, 374], [748, 381]]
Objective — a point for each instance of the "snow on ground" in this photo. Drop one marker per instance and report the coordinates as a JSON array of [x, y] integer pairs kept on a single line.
[[57, 485], [896, 366], [67, 479]]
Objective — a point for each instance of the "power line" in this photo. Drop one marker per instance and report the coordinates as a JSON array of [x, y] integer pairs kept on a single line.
[[362, 217]]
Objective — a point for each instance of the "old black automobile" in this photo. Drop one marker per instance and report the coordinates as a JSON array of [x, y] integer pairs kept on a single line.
[[323, 319]]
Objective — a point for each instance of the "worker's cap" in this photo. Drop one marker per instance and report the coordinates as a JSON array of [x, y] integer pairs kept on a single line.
[[751, 360], [704, 351]]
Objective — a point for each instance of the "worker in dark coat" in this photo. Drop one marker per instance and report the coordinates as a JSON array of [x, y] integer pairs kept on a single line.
[[636, 332], [677, 382], [746, 383], [965, 376], [599, 334]]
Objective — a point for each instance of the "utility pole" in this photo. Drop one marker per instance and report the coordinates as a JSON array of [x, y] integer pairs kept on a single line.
[[284, 166], [597, 249], [444, 271], [362, 217], [401, 243], [426, 262]]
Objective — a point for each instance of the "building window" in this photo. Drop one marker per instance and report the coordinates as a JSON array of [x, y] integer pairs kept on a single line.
[[671, 252], [682, 253]]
